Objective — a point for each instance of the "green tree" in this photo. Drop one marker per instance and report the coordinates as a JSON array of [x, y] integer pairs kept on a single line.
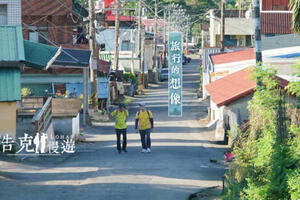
[[295, 7], [267, 153]]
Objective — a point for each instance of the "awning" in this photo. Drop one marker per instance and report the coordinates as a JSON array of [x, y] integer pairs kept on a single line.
[[73, 57], [39, 56]]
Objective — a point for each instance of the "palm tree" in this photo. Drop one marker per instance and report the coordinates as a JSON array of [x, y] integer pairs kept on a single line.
[[295, 7]]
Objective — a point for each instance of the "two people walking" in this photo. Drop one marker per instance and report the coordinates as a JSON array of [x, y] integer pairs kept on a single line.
[[143, 125]]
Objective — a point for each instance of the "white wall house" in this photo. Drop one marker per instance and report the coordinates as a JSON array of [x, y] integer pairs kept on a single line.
[[206, 68], [282, 59], [128, 48], [229, 97], [218, 65]]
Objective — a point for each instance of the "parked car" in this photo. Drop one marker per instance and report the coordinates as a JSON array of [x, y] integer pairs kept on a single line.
[[193, 50], [164, 74]]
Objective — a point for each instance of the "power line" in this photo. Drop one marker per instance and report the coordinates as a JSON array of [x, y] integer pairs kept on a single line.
[[51, 42]]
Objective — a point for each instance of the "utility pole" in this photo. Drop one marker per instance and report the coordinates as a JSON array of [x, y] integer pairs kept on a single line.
[[257, 42], [165, 36], [143, 63], [132, 50], [139, 50], [155, 36], [186, 39], [85, 94], [222, 24], [116, 52], [92, 44]]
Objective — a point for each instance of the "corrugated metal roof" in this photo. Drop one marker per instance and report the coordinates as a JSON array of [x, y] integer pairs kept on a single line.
[[235, 56], [38, 55], [11, 44], [276, 23], [231, 87], [10, 84], [73, 57], [235, 86]]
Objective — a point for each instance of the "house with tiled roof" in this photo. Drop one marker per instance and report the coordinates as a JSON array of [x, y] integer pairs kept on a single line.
[[221, 64], [229, 97]]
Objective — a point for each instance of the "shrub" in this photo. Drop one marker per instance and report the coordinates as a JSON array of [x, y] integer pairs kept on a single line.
[[130, 77], [267, 154], [26, 92]]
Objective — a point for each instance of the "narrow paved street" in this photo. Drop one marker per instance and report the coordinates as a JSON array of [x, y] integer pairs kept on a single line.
[[178, 165]]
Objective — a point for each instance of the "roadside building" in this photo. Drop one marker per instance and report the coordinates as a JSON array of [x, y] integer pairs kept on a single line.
[[62, 23], [15, 53], [229, 97], [282, 59], [217, 65], [238, 28]]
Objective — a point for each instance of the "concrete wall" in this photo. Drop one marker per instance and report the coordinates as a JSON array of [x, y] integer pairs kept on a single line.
[[216, 112], [107, 37], [75, 127], [13, 11], [149, 55], [233, 115], [8, 118], [67, 126], [237, 112], [233, 26], [63, 126]]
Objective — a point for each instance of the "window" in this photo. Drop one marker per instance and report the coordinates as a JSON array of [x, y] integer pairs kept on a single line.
[[39, 35], [42, 35], [33, 36], [3, 14], [126, 45]]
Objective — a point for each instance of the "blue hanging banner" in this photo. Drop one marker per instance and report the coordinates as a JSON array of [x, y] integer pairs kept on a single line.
[[175, 74]]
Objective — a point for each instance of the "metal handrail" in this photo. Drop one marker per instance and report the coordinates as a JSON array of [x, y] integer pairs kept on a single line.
[[44, 117]]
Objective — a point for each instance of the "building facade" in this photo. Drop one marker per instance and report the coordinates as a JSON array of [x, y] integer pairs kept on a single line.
[[238, 29], [10, 12], [58, 21]]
